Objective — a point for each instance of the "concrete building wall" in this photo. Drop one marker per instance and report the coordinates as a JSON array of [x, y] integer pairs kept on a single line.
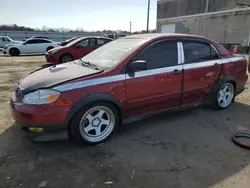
[[175, 8], [226, 28]]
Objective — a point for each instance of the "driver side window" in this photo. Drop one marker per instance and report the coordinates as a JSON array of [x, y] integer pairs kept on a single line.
[[160, 55]]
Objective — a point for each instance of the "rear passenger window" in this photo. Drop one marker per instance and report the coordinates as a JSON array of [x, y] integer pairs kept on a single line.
[[198, 52], [100, 42], [162, 54]]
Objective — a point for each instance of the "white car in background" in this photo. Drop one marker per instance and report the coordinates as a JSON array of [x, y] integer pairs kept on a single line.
[[30, 46], [4, 40]]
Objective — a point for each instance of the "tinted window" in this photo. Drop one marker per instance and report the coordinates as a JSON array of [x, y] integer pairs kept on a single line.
[[87, 42], [33, 41], [37, 41], [5, 39], [44, 41], [163, 54], [197, 52], [100, 42]]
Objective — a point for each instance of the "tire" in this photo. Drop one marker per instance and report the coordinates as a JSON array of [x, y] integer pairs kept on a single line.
[[14, 52], [224, 96], [66, 58], [95, 123], [49, 48]]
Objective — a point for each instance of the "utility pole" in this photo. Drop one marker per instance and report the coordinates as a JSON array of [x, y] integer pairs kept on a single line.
[[130, 26], [207, 6], [148, 16]]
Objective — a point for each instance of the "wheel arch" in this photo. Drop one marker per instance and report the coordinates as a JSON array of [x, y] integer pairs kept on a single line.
[[224, 80], [218, 84], [91, 98], [14, 47]]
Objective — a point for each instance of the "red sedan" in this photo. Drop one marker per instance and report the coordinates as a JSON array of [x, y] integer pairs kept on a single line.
[[75, 50], [133, 75]]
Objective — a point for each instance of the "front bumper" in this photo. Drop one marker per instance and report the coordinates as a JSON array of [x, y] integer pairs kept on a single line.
[[50, 58], [50, 119], [49, 132]]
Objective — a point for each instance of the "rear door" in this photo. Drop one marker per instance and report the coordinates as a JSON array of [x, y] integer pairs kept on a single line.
[[202, 68], [158, 87], [84, 47], [43, 45]]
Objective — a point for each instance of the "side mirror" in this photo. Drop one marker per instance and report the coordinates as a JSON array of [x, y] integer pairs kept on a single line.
[[24, 43], [78, 46], [138, 65]]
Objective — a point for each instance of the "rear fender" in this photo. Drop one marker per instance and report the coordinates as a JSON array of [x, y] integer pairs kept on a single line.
[[218, 85]]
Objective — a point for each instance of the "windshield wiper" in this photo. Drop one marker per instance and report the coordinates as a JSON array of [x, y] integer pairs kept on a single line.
[[86, 63]]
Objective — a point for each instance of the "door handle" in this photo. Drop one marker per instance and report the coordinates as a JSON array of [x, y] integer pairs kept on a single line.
[[176, 71]]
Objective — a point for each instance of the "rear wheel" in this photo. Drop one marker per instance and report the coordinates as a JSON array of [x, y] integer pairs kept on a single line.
[[14, 52], [66, 58], [225, 95], [95, 123]]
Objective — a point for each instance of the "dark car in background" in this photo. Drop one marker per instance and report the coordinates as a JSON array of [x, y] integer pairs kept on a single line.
[[75, 50]]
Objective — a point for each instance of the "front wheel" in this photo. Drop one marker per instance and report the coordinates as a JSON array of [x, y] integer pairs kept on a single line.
[[14, 52], [66, 58], [225, 95], [95, 123]]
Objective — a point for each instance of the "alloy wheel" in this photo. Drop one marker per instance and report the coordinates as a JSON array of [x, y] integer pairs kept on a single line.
[[225, 95], [97, 124], [66, 59]]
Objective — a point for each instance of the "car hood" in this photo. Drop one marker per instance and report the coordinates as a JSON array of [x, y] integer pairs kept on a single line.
[[56, 49], [16, 42], [51, 76]]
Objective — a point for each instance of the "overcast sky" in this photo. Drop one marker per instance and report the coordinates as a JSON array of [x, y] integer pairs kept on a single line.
[[86, 14]]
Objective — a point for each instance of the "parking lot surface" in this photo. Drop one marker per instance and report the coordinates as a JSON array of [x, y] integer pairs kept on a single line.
[[190, 148]]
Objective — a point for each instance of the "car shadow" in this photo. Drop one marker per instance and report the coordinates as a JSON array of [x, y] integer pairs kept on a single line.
[[189, 148]]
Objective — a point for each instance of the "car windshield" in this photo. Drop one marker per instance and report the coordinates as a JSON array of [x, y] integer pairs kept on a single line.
[[8, 39], [112, 53]]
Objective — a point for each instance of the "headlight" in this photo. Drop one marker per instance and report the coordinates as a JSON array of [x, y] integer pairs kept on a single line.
[[42, 96]]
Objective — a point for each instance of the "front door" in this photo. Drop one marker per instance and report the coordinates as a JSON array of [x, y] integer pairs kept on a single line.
[[202, 67], [158, 87], [84, 47], [30, 46]]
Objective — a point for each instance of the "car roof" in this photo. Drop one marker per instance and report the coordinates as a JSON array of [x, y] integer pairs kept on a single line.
[[39, 39], [97, 37], [152, 36]]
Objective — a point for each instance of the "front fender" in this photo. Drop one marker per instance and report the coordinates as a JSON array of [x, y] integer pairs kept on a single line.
[[93, 98]]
